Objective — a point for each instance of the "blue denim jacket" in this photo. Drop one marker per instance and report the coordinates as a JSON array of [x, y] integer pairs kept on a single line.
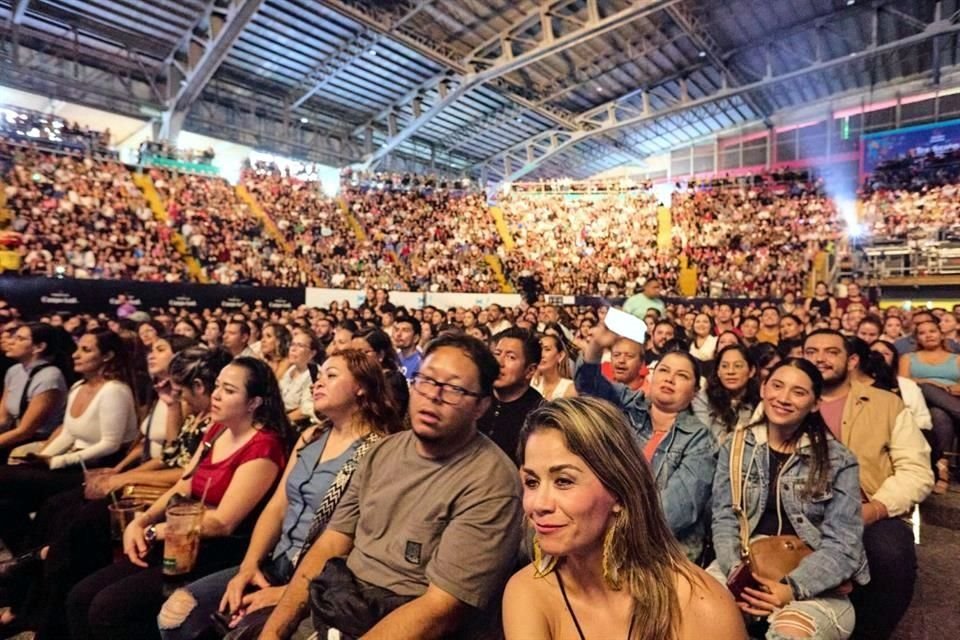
[[683, 463], [830, 524]]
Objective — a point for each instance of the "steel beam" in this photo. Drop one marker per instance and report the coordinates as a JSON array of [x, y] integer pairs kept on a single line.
[[204, 56], [614, 115], [19, 11], [704, 42], [509, 61]]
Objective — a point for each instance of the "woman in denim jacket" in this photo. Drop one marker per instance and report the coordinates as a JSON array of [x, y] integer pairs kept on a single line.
[[797, 480], [680, 449]]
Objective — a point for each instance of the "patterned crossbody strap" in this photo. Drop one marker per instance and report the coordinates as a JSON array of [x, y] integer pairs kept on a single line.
[[736, 488], [332, 497]]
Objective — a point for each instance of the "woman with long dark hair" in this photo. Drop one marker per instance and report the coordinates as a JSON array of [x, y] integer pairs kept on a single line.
[[234, 469], [351, 393], [606, 564], [275, 347], [100, 418], [377, 344], [797, 480], [731, 395]]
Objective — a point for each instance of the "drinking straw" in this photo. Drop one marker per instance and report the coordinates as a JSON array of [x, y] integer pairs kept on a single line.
[[203, 497]]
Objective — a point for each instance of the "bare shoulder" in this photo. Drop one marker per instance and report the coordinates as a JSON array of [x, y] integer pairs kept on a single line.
[[708, 608], [526, 604]]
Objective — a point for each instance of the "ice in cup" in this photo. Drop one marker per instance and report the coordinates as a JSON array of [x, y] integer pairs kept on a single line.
[[122, 513], [181, 539]]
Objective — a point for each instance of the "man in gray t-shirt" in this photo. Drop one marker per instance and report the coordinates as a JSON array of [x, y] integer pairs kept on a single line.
[[432, 513]]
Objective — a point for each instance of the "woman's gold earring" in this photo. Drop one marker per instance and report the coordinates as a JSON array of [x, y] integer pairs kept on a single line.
[[611, 569], [542, 565]]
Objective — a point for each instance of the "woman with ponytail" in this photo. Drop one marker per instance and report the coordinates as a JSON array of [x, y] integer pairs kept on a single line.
[[605, 562], [799, 481]]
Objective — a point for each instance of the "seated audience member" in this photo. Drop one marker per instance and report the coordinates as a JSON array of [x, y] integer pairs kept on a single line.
[[680, 449], [895, 476], [246, 452], [822, 304], [648, 298], [892, 329], [724, 319], [790, 348], [937, 371], [703, 342], [186, 328], [518, 353], [769, 330], [797, 480], [236, 338], [627, 366], [731, 395], [275, 348], [35, 388], [351, 394], [377, 345], [552, 380], [791, 327], [870, 329], [100, 418], [749, 328], [212, 334], [297, 381], [663, 332], [406, 340], [418, 500], [949, 328], [601, 542], [765, 357], [343, 336], [908, 343], [70, 537]]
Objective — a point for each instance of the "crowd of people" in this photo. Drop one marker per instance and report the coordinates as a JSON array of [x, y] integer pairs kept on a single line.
[[76, 216], [384, 471], [223, 234], [50, 131]]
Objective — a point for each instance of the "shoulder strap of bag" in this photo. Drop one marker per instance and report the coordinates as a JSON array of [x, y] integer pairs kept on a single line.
[[205, 450], [25, 397], [334, 492], [736, 488]]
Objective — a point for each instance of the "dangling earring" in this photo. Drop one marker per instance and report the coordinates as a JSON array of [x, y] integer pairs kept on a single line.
[[611, 566], [542, 564]]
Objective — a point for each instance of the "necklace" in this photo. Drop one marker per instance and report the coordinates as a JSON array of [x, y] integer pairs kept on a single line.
[[576, 622]]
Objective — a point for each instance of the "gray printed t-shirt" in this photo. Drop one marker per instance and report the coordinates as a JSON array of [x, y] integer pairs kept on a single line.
[[452, 523]]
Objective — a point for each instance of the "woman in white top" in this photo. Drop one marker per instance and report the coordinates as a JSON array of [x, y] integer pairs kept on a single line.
[[552, 379], [100, 419], [703, 343], [296, 383]]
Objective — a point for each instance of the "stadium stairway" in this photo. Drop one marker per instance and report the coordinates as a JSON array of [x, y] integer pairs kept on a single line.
[[493, 261], [352, 222], [505, 236], [145, 183], [273, 230]]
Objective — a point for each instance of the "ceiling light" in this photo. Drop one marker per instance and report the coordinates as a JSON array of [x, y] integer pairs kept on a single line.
[[599, 89], [304, 120], [372, 52], [702, 54], [850, 3]]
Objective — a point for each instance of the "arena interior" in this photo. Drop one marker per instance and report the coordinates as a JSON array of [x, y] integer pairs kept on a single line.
[[479, 319]]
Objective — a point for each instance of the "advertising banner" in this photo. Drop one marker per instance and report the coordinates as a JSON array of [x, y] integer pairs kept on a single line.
[[939, 139], [37, 295]]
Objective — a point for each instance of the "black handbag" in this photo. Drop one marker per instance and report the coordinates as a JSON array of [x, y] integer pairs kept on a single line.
[[338, 600]]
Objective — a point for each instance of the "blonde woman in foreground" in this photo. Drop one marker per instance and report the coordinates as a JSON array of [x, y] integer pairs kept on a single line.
[[605, 563]]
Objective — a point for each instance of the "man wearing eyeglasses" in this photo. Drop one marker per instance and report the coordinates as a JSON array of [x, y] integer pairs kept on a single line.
[[430, 522]]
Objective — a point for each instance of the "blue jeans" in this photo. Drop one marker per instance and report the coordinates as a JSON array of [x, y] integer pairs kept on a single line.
[[209, 591]]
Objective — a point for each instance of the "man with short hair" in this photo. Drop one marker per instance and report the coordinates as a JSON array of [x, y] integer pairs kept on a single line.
[[518, 353], [432, 515], [406, 340], [749, 327], [628, 366], [853, 298], [236, 338], [895, 476], [769, 326], [663, 332], [648, 298], [724, 320]]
